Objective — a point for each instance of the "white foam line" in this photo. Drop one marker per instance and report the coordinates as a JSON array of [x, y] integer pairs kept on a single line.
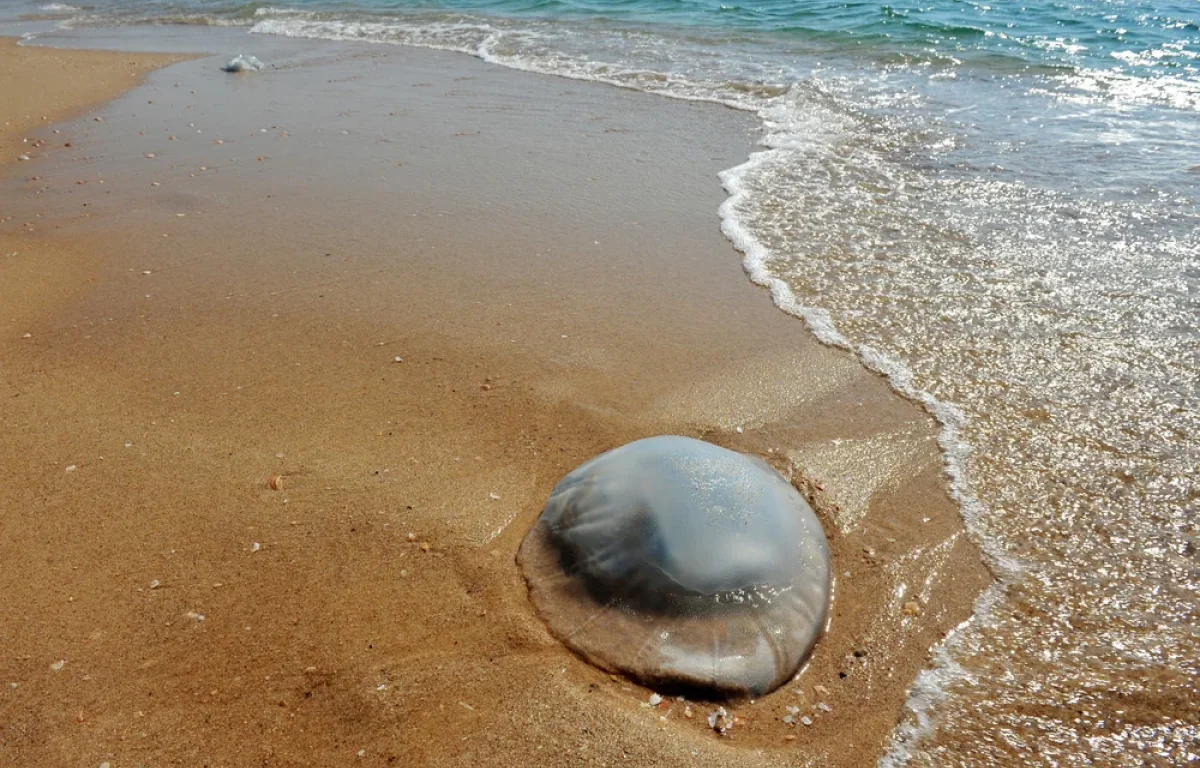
[[929, 689], [931, 686], [352, 32]]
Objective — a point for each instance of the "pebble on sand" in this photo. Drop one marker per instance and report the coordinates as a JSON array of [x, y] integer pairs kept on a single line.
[[56, 666], [27, 336], [912, 608], [720, 721]]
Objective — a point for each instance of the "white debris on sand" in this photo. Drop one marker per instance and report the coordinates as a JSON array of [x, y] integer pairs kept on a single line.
[[243, 63], [720, 721], [58, 665], [790, 717], [806, 719], [255, 547], [655, 699]]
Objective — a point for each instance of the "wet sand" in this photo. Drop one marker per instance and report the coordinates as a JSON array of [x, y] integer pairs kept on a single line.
[[40, 87], [545, 259]]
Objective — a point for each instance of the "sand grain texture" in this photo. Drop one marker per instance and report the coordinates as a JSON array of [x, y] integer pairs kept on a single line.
[[554, 290]]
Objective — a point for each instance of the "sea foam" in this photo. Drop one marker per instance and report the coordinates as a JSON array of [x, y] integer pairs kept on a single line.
[[784, 127]]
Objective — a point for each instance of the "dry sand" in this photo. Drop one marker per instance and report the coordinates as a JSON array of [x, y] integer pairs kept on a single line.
[[164, 606]]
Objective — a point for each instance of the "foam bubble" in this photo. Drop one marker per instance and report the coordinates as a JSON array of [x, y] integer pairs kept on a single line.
[[850, 213]]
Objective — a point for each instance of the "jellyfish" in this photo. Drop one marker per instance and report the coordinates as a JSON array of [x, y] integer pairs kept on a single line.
[[683, 565]]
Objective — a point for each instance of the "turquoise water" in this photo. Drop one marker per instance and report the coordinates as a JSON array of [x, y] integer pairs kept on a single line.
[[997, 207], [1131, 50], [1139, 37]]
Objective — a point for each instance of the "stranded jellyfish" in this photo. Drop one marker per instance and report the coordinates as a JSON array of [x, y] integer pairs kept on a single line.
[[683, 565]]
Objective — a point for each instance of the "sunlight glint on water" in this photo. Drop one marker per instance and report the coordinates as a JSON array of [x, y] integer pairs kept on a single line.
[[997, 207]]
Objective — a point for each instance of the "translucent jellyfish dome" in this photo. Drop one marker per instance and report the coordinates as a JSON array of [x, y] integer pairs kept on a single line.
[[683, 565]]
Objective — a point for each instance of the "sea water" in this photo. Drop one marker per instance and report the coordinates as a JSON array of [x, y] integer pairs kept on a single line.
[[996, 206]]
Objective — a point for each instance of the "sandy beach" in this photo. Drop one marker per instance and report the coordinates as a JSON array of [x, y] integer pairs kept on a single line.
[[417, 289]]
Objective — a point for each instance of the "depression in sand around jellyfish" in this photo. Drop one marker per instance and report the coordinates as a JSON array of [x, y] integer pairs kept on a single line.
[[683, 565]]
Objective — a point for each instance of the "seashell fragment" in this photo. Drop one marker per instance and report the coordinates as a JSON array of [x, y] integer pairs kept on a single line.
[[275, 483]]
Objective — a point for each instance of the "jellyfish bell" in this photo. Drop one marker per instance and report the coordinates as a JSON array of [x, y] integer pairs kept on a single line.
[[683, 565]]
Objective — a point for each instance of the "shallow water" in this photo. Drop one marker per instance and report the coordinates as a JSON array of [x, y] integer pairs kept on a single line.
[[997, 207]]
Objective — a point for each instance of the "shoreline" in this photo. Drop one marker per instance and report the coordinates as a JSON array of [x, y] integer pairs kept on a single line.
[[56, 85], [43, 87], [486, 405]]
